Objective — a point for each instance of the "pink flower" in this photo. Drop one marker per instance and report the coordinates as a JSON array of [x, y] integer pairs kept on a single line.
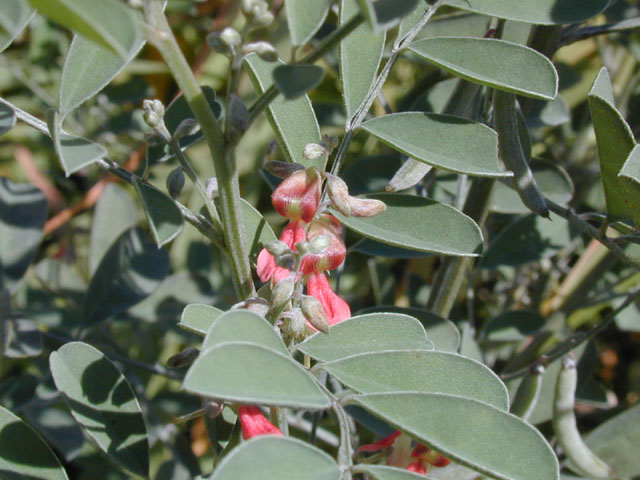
[[334, 255], [298, 196], [335, 308], [267, 268], [254, 423]]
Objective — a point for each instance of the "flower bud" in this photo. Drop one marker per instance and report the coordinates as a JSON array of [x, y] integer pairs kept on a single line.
[[238, 117], [212, 409], [313, 150], [282, 169], [332, 256], [175, 182], [314, 313], [153, 112], [263, 18], [217, 44], [184, 358], [277, 248], [294, 323], [288, 261], [154, 138], [281, 293], [338, 194], [298, 196], [188, 126], [212, 187], [316, 245], [231, 37], [263, 49], [366, 207]]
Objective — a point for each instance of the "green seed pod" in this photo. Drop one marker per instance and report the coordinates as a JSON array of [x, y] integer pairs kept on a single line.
[[175, 181], [312, 310], [528, 393], [565, 426], [506, 124]]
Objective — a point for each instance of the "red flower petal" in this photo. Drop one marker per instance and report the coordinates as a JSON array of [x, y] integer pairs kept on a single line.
[[380, 444], [417, 467], [298, 196], [335, 308], [254, 423], [267, 268], [334, 255]]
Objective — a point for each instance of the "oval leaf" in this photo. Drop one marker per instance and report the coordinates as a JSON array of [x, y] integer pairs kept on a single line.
[[294, 81], [443, 141], [360, 54], [162, 213], [367, 333], [88, 68], [129, 272], [416, 223], [472, 433], [495, 63], [544, 12], [293, 121], [257, 231], [108, 22], [250, 373], [7, 118], [23, 454], [102, 402], [629, 178], [420, 371], [386, 14], [14, 17], [274, 457], [243, 326], [23, 211], [305, 17], [198, 318]]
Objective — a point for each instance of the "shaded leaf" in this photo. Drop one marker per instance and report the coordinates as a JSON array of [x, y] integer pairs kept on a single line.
[[293, 121], [416, 223], [249, 373], [23, 454], [383, 472], [615, 143], [372, 248], [14, 17], [469, 432], [386, 14], [629, 178], [21, 337], [257, 231], [198, 318], [103, 403], [162, 213], [443, 141], [544, 12], [59, 428], [496, 63], [7, 118], [109, 23], [294, 81], [274, 457], [130, 271], [23, 212], [420, 371], [513, 326], [305, 17], [243, 326], [360, 55]]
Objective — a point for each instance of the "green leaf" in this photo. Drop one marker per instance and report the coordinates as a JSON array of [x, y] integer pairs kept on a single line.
[[257, 231], [274, 457], [469, 432], [294, 81], [23, 454], [495, 63], [20, 336], [383, 472], [109, 23], [443, 141], [420, 371], [443, 333], [103, 403], [130, 271], [629, 178], [14, 17], [293, 121], [23, 212], [513, 326], [374, 332], [360, 54], [527, 239], [162, 213], [386, 14], [552, 179], [243, 326], [615, 143], [615, 441], [305, 17], [372, 248], [88, 68], [249, 373], [416, 223], [115, 212], [198, 318], [544, 12], [7, 118]]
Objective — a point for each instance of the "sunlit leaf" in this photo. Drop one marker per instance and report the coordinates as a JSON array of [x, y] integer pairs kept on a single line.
[[296, 80], [305, 17], [14, 17], [198, 318]]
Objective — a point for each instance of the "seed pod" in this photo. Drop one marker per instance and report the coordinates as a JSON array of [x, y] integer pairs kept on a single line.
[[231, 37], [366, 207], [175, 181], [313, 150], [338, 194], [528, 393], [238, 117], [263, 49], [565, 427], [408, 175], [188, 126], [281, 293], [184, 358], [212, 409], [282, 169], [506, 124], [312, 310]]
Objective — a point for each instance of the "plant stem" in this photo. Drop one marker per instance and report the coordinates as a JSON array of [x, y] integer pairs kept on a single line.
[[163, 39]]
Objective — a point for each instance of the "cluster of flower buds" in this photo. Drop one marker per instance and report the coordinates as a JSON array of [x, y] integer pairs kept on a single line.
[[257, 12]]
